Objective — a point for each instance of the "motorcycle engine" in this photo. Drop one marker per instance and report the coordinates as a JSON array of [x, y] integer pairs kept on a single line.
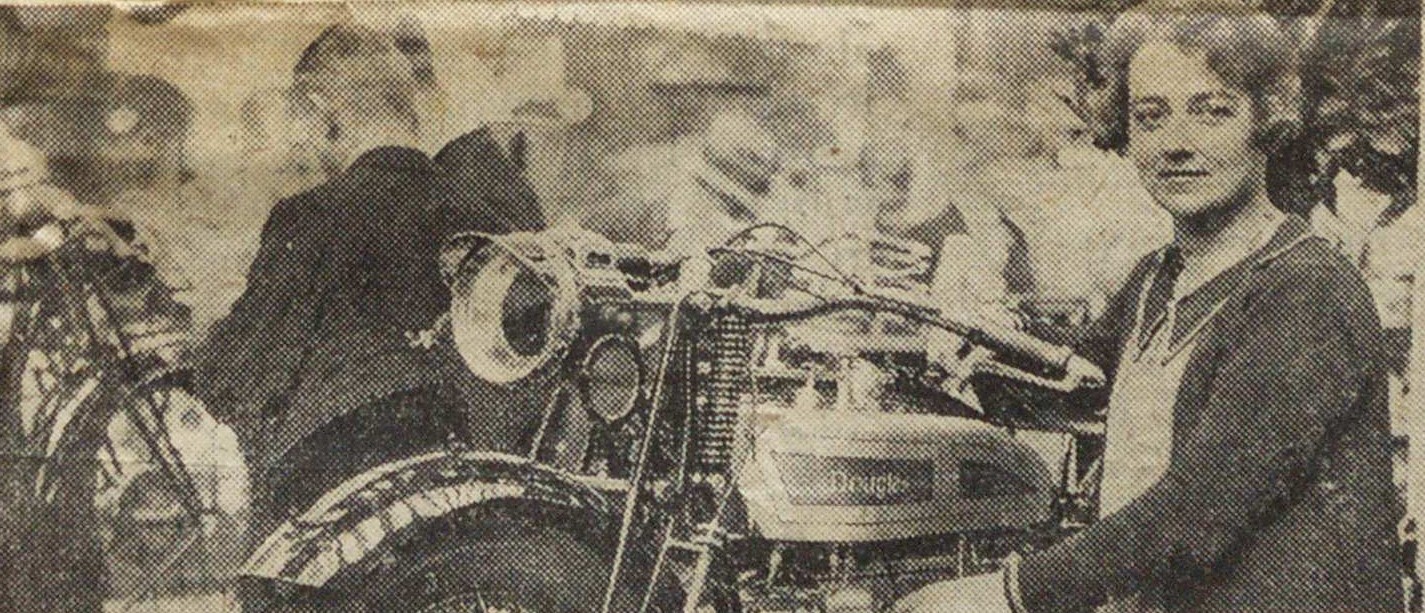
[[845, 496], [856, 508]]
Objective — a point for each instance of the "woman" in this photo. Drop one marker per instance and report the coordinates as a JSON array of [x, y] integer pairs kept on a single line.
[[1248, 464]]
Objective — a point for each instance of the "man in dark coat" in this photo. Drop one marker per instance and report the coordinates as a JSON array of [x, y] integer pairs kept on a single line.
[[485, 187], [318, 367]]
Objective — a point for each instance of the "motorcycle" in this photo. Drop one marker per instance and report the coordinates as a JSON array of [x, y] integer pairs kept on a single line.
[[761, 432], [91, 343]]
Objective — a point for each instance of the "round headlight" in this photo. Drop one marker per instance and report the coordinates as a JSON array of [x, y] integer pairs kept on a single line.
[[510, 315]]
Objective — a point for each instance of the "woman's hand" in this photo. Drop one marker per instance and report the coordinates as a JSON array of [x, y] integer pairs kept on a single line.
[[978, 594]]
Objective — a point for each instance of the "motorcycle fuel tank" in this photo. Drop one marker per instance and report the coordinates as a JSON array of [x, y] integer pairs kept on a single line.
[[839, 476]]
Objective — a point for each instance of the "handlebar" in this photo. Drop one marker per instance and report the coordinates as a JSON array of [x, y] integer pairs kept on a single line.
[[1070, 371], [998, 337]]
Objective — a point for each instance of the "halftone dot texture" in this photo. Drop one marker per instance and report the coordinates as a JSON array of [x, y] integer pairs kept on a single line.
[[258, 233]]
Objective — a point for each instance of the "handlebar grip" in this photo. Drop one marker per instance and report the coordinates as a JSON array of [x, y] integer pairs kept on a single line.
[[1009, 340]]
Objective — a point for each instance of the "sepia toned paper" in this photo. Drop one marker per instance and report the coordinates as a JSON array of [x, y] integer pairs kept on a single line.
[[718, 307]]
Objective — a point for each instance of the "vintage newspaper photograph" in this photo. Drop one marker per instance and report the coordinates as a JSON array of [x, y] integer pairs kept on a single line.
[[954, 306]]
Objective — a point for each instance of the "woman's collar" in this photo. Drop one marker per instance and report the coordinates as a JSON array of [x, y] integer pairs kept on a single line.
[[1198, 304], [1237, 243]]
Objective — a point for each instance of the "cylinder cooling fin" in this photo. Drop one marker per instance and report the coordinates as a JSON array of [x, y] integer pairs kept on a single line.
[[727, 349]]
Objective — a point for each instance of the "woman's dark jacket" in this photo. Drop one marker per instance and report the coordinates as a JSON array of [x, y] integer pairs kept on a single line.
[[1278, 495]]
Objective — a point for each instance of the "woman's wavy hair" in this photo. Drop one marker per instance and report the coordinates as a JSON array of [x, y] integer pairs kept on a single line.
[[1247, 48]]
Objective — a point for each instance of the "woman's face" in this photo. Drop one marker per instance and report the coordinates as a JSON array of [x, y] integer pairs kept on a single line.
[[1190, 133]]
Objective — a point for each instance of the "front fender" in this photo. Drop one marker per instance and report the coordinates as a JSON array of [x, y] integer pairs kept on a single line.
[[353, 522]]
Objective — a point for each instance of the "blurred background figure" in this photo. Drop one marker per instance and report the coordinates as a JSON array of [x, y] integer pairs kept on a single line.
[[177, 222], [888, 170], [484, 186], [724, 183], [922, 221], [315, 366], [1356, 212], [703, 101], [1084, 218], [144, 143]]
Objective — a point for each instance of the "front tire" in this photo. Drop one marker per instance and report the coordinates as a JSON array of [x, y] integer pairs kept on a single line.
[[508, 564], [506, 559]]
